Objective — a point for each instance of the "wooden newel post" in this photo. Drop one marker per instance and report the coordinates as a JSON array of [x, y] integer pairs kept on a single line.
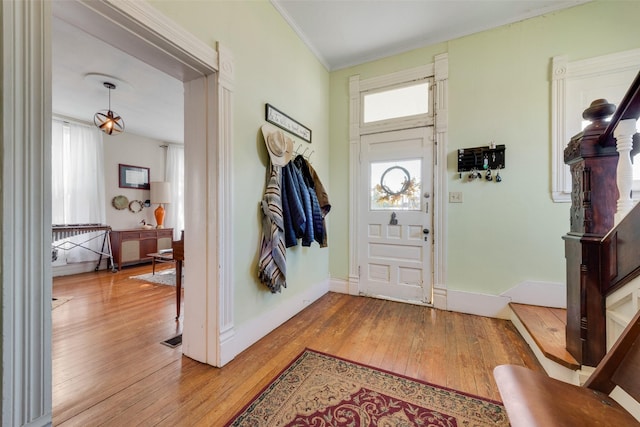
[[594, 195]]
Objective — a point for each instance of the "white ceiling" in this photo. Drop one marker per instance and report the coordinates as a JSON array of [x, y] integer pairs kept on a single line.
[[149, 101], [340, 33]]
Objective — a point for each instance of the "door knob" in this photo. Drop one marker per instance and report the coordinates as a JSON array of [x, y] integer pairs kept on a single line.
[[425, 231]]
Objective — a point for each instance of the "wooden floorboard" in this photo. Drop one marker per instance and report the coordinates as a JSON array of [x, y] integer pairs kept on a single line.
[[547, 326], [110, 368]]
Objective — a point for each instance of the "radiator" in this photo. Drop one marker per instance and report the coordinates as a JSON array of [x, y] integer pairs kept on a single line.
[[62, 232]]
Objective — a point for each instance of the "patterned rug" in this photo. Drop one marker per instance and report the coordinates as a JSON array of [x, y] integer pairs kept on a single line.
[[162, 277], [322, 390]]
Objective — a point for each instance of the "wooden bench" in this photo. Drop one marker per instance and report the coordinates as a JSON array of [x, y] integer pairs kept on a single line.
[[534, 399]]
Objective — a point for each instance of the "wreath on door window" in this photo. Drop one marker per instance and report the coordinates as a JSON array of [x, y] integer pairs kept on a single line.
[[392, 192]]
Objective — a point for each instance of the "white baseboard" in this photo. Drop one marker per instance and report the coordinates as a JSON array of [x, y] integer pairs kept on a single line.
[[339, 286], [478, 304], [354, 285], [439, 296], [226, 341], [553, 369], [342, 286], [627, 402], [545, 294], [77, 268], [256, 328], [349, 287], [44, 421]]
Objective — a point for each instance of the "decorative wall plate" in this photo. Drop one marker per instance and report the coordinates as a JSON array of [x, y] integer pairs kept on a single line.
[[136, 206], [120, 202]]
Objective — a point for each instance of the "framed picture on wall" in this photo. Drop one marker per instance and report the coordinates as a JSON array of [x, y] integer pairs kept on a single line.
[[280, 119], [134, 177]]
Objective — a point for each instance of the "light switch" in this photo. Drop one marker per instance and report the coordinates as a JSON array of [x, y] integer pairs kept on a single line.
[[455, 197]]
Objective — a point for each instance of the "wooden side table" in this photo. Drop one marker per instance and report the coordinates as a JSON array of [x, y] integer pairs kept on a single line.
[[163, 256], [168, 256]]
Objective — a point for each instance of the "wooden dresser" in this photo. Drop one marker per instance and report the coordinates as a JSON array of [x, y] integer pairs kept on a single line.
[[132, 246]]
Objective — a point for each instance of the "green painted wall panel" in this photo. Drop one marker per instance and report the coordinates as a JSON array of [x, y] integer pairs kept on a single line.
[[499, 90], [271, 65]]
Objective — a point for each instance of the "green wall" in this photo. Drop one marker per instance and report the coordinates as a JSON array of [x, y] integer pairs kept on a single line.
[[499, 90], [271, 65]]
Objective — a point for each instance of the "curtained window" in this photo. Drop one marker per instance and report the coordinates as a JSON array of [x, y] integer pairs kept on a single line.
[[78, 193], [175, 176]]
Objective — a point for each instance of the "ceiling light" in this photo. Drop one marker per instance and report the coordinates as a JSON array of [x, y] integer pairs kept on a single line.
[[106, 120]]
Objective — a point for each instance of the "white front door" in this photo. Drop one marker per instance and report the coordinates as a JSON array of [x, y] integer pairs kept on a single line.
[[394, 239]]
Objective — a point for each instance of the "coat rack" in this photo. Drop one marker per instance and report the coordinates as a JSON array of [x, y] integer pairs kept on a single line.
[[306, 153]]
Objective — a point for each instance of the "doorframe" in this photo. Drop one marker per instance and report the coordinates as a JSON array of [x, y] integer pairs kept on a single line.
[[440, 72], [26, 272]]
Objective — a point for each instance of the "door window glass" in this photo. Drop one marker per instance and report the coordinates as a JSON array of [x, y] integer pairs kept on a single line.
[[396, 185]]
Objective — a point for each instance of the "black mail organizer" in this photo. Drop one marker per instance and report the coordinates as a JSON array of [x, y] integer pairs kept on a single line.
[[481, 158]]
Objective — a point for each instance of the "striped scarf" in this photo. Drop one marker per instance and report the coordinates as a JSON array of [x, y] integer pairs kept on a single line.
[[272, 266]]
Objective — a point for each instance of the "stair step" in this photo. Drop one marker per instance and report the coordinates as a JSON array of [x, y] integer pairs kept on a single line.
[[547, 325]]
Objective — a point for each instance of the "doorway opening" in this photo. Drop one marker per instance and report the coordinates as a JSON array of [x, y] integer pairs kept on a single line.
[[398, 178], [143, 32]]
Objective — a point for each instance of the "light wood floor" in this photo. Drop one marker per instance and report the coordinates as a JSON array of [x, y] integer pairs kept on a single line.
[[109, 367]]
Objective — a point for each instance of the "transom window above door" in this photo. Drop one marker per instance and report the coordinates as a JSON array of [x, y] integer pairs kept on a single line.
[[409, 100]]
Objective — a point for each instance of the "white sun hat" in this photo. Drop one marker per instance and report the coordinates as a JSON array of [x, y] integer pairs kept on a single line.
[[279, 146]]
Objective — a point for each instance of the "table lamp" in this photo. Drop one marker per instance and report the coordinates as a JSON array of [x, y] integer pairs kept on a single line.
[[160, 194]]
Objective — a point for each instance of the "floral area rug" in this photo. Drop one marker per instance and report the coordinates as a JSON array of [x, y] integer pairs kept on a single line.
[[162, 277], [322, 390]]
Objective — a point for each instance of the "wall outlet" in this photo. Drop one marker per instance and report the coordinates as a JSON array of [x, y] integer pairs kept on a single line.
[[455, 197]]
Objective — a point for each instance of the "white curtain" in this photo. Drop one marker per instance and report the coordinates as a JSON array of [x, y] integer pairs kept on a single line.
[[78, 194], [174, 174]]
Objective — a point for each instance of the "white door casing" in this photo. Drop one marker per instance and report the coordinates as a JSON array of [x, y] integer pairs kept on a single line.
[[26, 210], [439, 70], [145, 33], [395, 257]]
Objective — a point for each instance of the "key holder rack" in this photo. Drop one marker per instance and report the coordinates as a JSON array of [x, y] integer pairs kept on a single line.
[[481, 159]]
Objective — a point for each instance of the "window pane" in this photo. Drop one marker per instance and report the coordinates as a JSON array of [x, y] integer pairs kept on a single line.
[[394, 103], [396, 185]]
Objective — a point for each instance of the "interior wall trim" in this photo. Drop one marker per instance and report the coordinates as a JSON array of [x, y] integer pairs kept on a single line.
[[485, 305], [564, 76], [440, 187], [258, 327], [26, 208], [224, 216], [142, 31], [440, 71], [26, 213]]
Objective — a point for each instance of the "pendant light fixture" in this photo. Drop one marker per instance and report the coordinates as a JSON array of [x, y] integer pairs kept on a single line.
[[106, 120]]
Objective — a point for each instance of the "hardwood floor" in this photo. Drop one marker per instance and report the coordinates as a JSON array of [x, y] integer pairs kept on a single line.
[[109, 367]]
